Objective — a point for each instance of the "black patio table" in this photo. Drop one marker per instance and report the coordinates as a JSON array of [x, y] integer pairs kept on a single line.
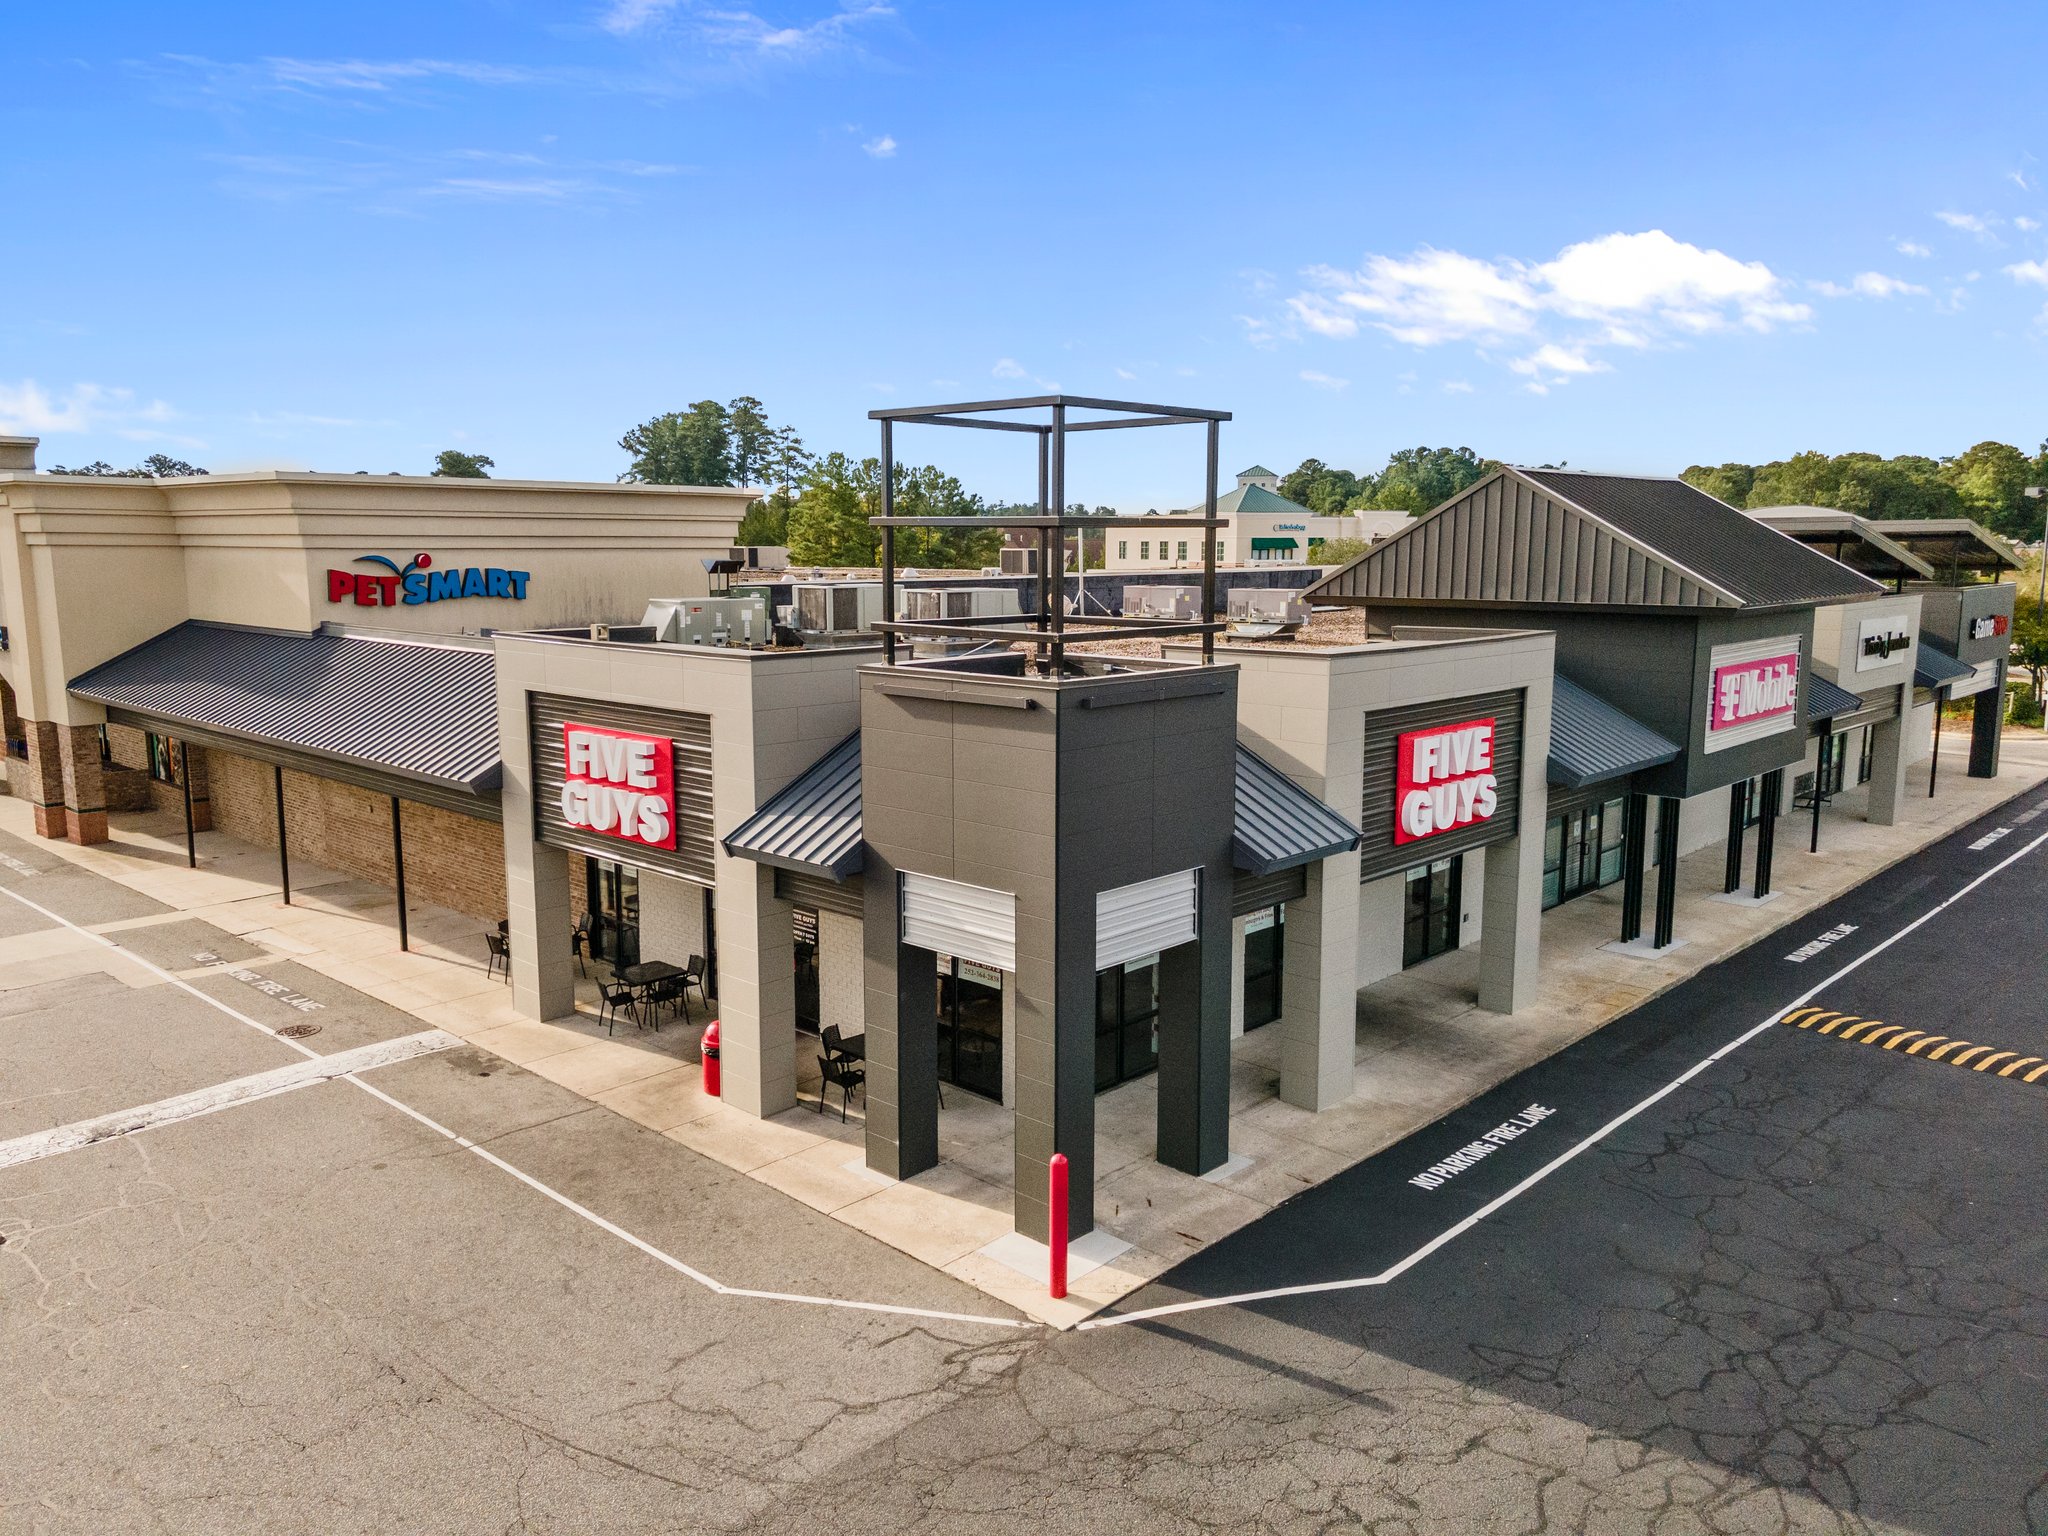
[[644, 977]]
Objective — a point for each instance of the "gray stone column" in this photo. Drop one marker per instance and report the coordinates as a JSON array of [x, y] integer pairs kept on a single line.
[[756, 990], [1987, 723], [1319, 988], [1887, 786], [1511, 921], [537, 907], [1194, 1042]]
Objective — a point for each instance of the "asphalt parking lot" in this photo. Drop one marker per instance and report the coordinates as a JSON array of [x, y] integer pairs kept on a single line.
[[1798, 1287]]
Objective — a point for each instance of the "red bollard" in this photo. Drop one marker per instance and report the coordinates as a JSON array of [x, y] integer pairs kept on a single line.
[[1057, 1177], [709, 1046]]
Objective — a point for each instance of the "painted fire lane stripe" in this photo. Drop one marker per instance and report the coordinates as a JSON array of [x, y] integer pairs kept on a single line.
[[1451, 1234], [527, 1179], [205, 1101], [1950, 1052], [2024, 1061]]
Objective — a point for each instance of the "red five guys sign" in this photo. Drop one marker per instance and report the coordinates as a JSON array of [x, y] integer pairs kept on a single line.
[[1443, 779], [619, 783]]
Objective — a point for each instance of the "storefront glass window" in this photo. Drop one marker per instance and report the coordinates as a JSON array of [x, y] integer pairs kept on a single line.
[[1582, 851], [163, 758], [1264, 942], [1126, 1022], [971, 1026], [1431, 924], [613, 893]]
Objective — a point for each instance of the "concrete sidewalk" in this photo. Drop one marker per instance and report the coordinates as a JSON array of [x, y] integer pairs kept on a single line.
[[1424, 1048]]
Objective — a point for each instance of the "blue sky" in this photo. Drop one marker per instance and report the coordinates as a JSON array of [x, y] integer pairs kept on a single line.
[[1625, 237]]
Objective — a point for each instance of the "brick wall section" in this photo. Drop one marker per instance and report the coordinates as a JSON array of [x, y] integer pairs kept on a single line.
[[130, 749], [451, 860]]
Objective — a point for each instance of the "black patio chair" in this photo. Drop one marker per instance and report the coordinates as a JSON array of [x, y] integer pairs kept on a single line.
[[612, 996], [500, 954], [835, 1044], [693, 976], [579, 943], [667, 993], [847, 1076]]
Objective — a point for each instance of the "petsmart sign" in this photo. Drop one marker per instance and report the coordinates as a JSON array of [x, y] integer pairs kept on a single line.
[[1444, 780], [619, 783], [1753, 691], [420, 581]]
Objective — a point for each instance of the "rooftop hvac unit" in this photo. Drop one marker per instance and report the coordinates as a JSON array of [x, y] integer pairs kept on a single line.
[[845, 608], [741, 621], [1020, 560], [1268, 605], [1182, 604], [943, 604]]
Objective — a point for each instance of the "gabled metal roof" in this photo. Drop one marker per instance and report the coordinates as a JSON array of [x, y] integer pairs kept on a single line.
[[1934, 668], [813, 823], [1591, 741], [1826, 700], [1279, 824], [1953, 544], [424, 711], [1557, 538]]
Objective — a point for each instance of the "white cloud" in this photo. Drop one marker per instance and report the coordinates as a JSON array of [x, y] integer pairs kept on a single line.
[[1323, 380], [1126, 375], [373, 75], [1009, 368], [2024, 223], [1911, 248], [631, 15], [1457, 386], [2028, 272], [739, 31], [883, 148], [28, 409], [1619, 290], [2019, 179], [1979, 225], [1869, 285]]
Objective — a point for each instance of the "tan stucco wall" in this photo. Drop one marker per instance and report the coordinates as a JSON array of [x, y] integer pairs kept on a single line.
[[90, 568]]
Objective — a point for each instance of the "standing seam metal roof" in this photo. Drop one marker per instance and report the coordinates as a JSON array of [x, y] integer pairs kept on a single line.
[[1826, 700], [1591, 741], [1758, 565], [1933, 667], [813, 823], [422, 709]]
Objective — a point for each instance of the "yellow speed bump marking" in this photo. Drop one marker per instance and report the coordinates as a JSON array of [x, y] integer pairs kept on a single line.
[[1946, 1049]]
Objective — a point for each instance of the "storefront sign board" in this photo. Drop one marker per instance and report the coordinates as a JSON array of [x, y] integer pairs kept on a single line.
[[619, 783], [1753, 691]]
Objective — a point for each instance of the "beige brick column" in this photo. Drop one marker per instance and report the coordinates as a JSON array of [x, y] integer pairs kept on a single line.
[[1888, 766], [1319, 988], [85, 791], [46, 777], [756, 990]]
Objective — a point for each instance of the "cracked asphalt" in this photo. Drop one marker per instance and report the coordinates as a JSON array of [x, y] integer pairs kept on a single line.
[[1802, 1292]]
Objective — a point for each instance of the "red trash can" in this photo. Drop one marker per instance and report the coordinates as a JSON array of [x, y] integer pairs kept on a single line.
[[709, 1046]]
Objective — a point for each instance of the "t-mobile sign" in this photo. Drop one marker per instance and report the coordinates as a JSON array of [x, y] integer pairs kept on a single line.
[[619, 783], [1754, 691], [1443, 779]]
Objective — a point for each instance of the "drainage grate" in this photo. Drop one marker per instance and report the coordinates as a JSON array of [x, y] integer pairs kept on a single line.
[[298, 1031]]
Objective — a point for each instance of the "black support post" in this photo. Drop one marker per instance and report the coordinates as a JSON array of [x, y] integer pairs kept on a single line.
[[1820, 780], [284, 858], [398, 862], [1738, 820], [1055, 542], [1635, 823], [1934, 757], [1667, 870], [185, 778], [1767, 830], [1209, 545], [888, 542]]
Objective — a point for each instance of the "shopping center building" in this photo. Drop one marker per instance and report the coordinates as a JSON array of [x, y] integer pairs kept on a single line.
[[1027, 858]]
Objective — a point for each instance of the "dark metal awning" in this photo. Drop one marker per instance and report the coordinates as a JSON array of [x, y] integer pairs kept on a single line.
[[1279, 824], [1591, 741], [811, 825], [1935, 668], [1826, 700], [417, 719]]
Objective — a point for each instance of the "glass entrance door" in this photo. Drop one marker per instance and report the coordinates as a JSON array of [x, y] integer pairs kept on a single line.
[[1582, 851], [1126, 1022], [1431, 925], [613, 891], [1264, 940], [804, 931], [971, 1026]]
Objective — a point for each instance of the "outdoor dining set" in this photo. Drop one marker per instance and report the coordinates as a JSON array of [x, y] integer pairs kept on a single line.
[[641, 991]]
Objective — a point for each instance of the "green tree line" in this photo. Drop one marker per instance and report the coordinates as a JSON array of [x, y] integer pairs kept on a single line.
[[1987, 482], [1413, 480]]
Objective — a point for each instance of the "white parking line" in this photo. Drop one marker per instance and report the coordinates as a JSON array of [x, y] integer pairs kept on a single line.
[[1395, 1271], [205, 1101], [528, 1179]]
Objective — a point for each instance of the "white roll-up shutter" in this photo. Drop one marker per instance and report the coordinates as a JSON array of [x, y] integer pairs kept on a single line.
[[1138, 920], [1984, 676], [969, 921]]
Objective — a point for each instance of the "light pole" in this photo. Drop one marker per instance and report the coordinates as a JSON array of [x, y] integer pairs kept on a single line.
[[2040, 493]]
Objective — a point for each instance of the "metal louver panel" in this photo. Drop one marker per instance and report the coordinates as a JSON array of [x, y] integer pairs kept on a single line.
[[970, 922], [820, 894], [1255, 893], [691, 858], [1144, 918]]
